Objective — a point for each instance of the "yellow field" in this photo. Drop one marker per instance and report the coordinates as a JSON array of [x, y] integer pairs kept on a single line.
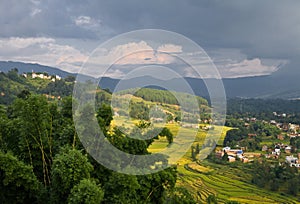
[[205, 178]]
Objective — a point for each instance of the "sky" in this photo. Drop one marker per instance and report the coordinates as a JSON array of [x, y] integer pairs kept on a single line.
[[243, 38]]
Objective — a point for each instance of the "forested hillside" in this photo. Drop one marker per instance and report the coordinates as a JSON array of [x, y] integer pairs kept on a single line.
[[42, 159], [12, 84]]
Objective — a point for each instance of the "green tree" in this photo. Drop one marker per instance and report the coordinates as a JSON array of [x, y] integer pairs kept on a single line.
[[197, 150], [193, 152], [167, 133], [139, 110], [13, 75], [293, 186], [211, 199], [121, 188], [225, 156], [104, 116], [4, 130], [24, 94], [155, 186], [66, 109], [69, 167], [70, 78], [18, 183], [67, 133], [87, 192], [32, 131]]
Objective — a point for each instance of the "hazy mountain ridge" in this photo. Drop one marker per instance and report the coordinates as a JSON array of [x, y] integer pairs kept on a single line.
[[271, 86], [5, 66]]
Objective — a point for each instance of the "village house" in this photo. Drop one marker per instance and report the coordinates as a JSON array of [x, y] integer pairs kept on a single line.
[[277, 150], [233, 154], [231, 159], [57, 77], [292, 161], [288, 150], [285, 127], [43, 76], [245, 160], [279, 125], [293, 128], [226, 149]]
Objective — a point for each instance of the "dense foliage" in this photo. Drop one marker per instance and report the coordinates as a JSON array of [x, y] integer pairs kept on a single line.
[[276, 177], [12, 84], [264, 108], [42, 159], [248, 136], [164, 96]]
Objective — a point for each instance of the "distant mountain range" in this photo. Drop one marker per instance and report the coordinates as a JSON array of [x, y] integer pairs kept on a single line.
[[5, 66], [271, 86]]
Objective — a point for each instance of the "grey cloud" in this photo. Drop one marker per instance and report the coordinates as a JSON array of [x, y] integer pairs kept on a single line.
[[259, 29], [255, 26]]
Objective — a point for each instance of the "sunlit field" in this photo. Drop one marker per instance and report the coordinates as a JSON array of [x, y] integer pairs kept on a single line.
[[226, 182]]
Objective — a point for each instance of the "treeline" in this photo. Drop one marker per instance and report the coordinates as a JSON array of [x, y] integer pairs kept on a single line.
[[43, 161], [264, 108], [276, 177], [165, 96], [255, 106], [189, 105]]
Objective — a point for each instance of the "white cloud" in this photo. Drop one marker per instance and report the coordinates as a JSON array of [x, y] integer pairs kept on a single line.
[[83, 20], [14, 43], [35, 2], [246, 67], [41, 50], [35, 11], [87, 22], [132, 53], [231, 63], [170, 48]]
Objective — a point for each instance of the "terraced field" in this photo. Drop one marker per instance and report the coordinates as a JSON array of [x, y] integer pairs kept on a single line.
[[227, 182]]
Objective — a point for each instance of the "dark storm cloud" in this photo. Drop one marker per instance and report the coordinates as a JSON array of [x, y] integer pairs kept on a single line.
[[46, 18], [259, 29], [270, 28]]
